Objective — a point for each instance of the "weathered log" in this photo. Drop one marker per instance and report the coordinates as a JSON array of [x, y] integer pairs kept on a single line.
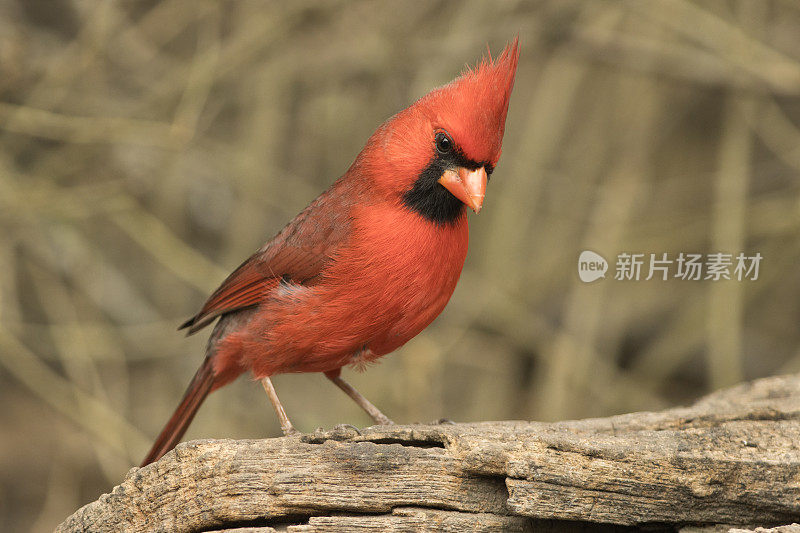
[[732, 458]]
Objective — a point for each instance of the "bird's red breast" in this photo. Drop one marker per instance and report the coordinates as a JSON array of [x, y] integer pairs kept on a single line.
[[390, 280]]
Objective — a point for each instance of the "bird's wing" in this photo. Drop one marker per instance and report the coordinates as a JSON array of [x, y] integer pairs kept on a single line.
[[299, 253]]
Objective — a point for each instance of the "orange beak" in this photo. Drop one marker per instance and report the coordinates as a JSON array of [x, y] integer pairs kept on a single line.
[[469, 186]]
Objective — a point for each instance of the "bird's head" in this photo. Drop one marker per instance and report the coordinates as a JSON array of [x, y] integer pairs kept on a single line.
[[437, 155]]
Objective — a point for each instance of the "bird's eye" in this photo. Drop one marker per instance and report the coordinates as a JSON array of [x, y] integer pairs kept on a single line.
[[444, 144]]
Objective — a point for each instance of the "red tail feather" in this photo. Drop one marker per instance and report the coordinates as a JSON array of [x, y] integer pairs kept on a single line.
[[169, 437]]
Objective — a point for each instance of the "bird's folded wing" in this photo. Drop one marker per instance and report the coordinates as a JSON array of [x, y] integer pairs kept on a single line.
[[298, 253]]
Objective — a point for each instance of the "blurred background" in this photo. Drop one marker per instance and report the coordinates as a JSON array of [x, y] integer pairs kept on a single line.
[[148, 147]]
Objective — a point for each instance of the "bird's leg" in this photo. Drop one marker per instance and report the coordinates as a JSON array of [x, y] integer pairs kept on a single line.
[[362, 402], [286, 425]]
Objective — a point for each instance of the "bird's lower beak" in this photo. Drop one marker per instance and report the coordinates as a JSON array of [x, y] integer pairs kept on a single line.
[[469, 186]]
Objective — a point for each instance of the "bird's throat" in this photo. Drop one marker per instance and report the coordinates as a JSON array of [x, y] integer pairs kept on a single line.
[[429, 199]]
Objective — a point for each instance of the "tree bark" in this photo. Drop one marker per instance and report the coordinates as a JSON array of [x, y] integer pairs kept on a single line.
[[732, 458]]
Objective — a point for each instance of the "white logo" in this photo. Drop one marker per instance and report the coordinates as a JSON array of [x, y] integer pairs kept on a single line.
[[591, 266]]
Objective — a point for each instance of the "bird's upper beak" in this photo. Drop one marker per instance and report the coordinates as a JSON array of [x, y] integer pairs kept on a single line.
[[469, 186]]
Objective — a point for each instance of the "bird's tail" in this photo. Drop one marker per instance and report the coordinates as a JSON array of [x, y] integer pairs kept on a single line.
[[201, 385]]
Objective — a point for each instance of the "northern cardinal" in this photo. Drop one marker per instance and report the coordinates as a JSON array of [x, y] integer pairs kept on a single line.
[[371, 262]]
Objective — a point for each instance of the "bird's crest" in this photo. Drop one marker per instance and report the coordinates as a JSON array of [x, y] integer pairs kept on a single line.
[[473, 107]]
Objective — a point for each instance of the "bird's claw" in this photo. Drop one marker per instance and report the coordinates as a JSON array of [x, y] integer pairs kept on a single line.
[[290, 431], [383, 420], [339, 429]]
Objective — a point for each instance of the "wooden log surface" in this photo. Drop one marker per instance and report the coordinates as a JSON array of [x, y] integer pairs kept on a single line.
[[732, 458]]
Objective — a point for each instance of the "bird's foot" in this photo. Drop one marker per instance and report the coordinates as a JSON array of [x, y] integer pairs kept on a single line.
[[339, 432], [290, 431], [381, 419], [341, 428]]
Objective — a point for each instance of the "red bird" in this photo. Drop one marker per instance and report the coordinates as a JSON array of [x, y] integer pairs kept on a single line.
[[371, 262]]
